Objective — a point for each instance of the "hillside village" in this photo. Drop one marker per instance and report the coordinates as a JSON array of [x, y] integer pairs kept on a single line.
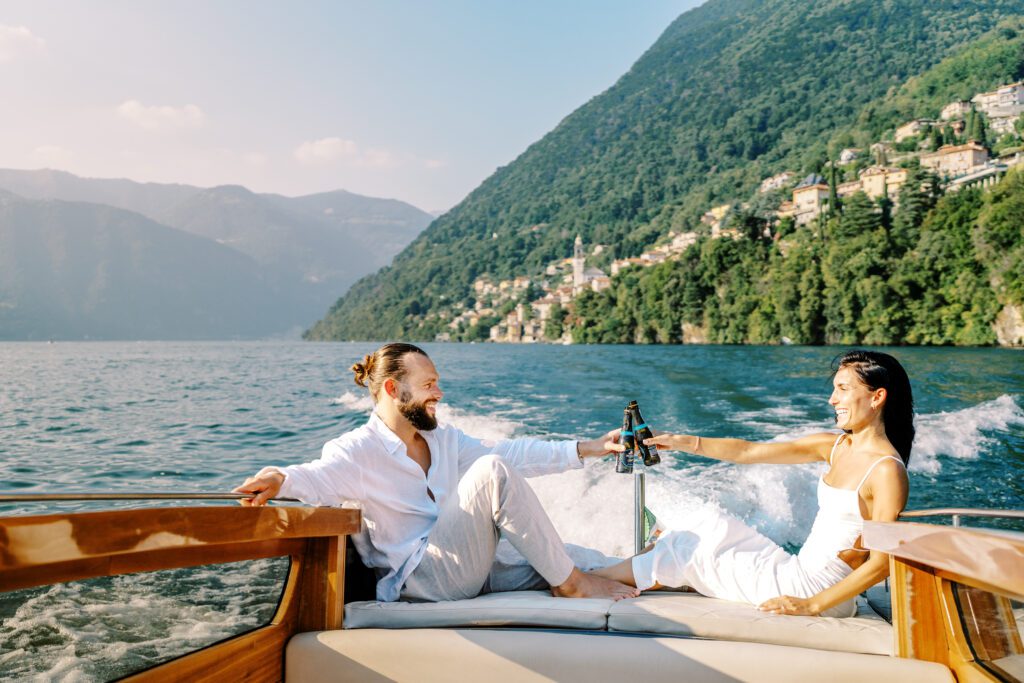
[[953, 148]]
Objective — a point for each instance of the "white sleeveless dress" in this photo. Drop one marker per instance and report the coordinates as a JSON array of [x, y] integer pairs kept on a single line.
[[721, 557]]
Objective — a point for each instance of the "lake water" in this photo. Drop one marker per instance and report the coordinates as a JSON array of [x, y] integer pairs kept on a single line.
[[157, 416]]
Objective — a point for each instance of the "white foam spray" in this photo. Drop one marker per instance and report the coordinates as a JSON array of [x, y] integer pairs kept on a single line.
[[593, 507], [360, 402], [962, 434]]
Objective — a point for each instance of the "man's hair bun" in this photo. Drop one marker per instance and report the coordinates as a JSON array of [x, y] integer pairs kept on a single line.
[[384, 363], [363, 370]]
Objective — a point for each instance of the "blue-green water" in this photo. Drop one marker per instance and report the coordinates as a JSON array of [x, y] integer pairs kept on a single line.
[[202, 416]]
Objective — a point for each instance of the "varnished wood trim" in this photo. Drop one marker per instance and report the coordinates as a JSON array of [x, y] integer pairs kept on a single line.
[[47, 539], [173, 558], [257, 657], [917, 619], [926, 621], [987, 560]]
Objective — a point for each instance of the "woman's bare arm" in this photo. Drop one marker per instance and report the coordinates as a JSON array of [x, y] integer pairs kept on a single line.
[[805, 449], [889, 488]]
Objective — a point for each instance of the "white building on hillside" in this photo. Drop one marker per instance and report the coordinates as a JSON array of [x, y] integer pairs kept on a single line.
[[912, 128], [1006, 100], [777, 181], [955, 110], [955, 160], [582, 277], [849, 154]]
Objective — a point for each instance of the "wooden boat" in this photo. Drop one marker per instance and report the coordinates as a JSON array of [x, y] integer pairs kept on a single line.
[[951, 592]]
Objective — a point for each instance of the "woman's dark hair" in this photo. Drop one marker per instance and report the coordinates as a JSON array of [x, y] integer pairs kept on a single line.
[[881, 371], [383, 364]]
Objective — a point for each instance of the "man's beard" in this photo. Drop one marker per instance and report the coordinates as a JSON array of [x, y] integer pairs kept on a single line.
[[416, 413]]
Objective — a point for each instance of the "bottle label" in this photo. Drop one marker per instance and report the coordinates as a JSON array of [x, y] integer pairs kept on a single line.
[[639, 427], [625, 433]]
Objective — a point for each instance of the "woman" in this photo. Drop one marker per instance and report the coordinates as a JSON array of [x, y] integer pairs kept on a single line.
[[721, 557]]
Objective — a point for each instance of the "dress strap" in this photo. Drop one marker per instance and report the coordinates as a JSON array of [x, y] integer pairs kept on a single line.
[[873, 465], [834, 446]]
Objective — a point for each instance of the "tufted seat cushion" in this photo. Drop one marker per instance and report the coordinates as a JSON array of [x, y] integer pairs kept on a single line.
[[685, 614], [520, 608], [680, 614]]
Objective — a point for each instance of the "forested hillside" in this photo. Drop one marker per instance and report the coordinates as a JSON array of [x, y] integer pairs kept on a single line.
[[935, 269], [732, 92], [926, 278]]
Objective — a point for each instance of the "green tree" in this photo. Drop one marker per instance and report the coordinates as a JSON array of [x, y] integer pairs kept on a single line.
[[978, 130], [942, 281], [860, 217], [833, 195], [555, 324], [1000, 236], [916, 199]]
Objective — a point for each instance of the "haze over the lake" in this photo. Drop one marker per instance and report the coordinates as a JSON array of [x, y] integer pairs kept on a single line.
[[409, 100]]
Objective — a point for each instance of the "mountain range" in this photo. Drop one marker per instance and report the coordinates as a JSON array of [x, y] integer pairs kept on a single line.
[[181, 261]]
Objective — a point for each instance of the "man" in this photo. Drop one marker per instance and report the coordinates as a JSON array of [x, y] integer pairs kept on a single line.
[[435, 500]]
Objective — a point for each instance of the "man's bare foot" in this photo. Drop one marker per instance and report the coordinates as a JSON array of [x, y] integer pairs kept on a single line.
[[584, 585]]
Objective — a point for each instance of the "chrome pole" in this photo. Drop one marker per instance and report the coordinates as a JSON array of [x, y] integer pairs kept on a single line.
[[639, 503]]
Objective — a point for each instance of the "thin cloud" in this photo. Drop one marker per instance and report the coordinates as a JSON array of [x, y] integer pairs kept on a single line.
[[255, 159], [326, 151], [161, 117], [53, 156], [17, 42], [334, 150], [379, 158]]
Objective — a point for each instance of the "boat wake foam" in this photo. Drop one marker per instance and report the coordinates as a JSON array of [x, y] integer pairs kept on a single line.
[[593, 507]]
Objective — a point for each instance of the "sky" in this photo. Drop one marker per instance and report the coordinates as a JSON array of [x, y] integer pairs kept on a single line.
[[412, 100]]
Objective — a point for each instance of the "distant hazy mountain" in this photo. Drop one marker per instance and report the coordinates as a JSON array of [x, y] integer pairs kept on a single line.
[[382, 226], [149, 199], [71, 270], [308, 249]]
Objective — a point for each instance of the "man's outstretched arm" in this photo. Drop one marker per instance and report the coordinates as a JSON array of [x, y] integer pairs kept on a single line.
[[534, 457], [330, 480]]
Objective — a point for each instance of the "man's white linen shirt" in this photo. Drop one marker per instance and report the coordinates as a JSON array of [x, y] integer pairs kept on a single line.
[[370, 465]]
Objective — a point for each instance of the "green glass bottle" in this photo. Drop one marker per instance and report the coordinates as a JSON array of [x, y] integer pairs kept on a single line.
[[641, 433], [624, 459]]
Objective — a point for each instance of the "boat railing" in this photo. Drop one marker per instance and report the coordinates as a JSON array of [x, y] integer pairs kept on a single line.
[[958, 513]]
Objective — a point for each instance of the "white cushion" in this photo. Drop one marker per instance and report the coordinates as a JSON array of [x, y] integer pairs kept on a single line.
[[496, 656], [685, 614], [521, 608]]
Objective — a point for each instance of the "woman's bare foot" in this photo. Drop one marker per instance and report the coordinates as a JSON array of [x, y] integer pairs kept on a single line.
[[584, 585], [621, 572]]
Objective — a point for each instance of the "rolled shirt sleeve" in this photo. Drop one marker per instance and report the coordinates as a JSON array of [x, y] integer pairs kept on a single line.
[[328, 481]]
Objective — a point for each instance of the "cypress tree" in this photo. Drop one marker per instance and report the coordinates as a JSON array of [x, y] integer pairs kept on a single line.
[[915, 203], [885, 207], [978, 130], [833, 194], [860, 217]]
